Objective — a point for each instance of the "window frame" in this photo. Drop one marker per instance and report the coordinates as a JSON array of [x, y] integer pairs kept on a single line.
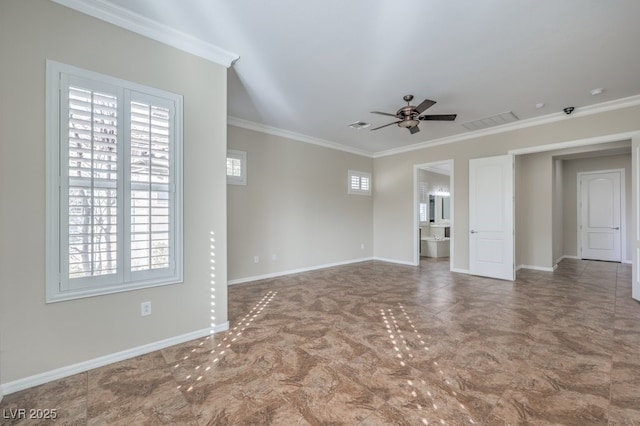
[[358, 191], [242, 156], [59, 287], [423, 213], [423, 204]]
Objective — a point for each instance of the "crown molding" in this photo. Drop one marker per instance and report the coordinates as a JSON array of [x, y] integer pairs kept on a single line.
[[522, 124], [246, 124], [436, 170], [531, 122], [154, 30], [576, 143]]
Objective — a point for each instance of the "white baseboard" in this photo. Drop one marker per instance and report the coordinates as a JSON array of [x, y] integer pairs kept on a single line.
[[396, 261], [295, 271], [536, 268], [578, 258], [403, 262], [327, 265], [59, 373], [566, 256]]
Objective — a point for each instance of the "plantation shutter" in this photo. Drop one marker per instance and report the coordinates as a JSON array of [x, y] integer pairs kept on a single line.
[[424, 197], [114, 201], [151, 183], [355, 182], [234, 167], [364, 183], [359, 182], [91, 181]]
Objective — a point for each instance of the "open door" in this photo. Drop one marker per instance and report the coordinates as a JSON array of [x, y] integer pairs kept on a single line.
[[635, 199], [491, 211]]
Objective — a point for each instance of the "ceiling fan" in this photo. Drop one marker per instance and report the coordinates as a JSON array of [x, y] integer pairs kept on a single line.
[[409, 116]]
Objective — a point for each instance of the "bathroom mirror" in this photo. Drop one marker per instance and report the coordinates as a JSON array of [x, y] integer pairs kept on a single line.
[[432, 208], [442, 204], [446, 208]]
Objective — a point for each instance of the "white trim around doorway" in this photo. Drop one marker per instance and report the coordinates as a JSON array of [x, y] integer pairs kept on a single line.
[[416, 202]]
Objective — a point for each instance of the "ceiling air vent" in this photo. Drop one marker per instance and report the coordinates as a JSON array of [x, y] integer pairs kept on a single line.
[[359, 125], [494, 120]]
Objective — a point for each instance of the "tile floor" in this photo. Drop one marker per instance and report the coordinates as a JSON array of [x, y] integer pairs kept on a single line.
[[377, 344]]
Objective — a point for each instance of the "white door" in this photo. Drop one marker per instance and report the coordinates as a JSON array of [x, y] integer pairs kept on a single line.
[[491, 246], [600, 235]]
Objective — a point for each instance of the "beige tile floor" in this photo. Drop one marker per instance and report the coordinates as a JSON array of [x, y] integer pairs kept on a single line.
[[377, 344]]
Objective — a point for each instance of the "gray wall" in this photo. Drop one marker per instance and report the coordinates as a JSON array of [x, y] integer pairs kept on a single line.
[[434, 180], [393, 192], [37, 337], [534, 210], [306, 222], [558, 211], [546, 214], [295, 206]]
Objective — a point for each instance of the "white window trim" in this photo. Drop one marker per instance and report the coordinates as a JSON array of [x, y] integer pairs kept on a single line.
[[357, 191], [54, 292], [423, 203], [423, 207], [242, 156]]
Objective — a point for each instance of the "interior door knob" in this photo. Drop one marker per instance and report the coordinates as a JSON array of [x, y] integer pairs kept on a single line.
[[616, 228], [474, 232]]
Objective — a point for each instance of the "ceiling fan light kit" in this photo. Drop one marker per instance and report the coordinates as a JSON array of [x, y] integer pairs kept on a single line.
[[408, 123], [409, 116]]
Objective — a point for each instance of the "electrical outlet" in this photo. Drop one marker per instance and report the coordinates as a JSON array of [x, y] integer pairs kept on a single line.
[[362, 246], [274, 257], [256, 259], [145, 309]]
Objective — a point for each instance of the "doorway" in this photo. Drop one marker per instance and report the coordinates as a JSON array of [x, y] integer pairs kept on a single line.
[[632, 233], [433, 209], [600, 216]]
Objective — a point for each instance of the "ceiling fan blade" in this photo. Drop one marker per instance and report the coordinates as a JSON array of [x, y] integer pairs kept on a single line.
[[427, 103], [438, 117], [383, 113], [414, 129], [395, 122]]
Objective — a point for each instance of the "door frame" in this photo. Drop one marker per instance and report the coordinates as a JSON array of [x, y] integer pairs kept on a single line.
[[635, 216], [634, 136], [623, 219], [416, 206]]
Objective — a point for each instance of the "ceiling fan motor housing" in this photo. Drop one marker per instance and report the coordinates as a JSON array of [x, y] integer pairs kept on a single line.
[[408, 115]]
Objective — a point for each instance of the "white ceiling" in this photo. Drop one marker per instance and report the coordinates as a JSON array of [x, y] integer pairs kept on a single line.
[[312, 67]]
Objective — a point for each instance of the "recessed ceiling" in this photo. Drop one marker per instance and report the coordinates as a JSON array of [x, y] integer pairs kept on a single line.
[[314, 67]]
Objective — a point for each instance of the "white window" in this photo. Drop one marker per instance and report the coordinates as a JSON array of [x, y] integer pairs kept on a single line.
[[114, 198], [359, 183], [424, 213], [236, 167], [423, 205]]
